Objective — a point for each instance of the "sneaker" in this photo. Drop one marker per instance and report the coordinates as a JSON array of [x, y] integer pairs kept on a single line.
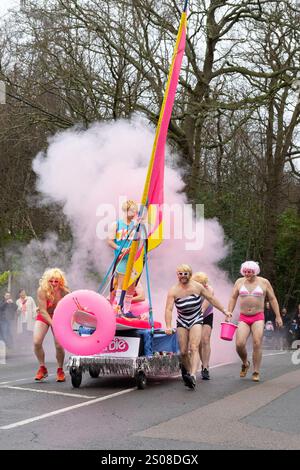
[[187, 379], [117, 309], [60, 376], [41, 374], [255, 377], [205, 374], [244, 369], [191, 381], [184, 374]]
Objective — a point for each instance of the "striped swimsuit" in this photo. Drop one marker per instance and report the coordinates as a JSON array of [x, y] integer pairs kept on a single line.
[[189, 310]]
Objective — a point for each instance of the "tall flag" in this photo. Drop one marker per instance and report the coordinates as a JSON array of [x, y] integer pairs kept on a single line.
[[153, 195]]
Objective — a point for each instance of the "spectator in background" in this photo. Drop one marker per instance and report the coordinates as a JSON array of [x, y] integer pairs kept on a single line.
[[7, 320], [269, 313], [26, 312], [293, 332], [297, 316], [282, 333]]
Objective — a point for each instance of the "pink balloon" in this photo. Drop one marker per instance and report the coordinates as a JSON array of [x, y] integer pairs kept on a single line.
[[93, 303]]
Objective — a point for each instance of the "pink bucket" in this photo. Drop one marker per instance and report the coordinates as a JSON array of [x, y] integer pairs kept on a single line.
[[227, 330]]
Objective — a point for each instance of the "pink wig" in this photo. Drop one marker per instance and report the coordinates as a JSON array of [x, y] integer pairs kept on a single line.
[[247, 265]]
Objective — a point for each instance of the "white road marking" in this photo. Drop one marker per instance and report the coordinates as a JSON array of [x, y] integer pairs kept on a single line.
[[21, 380], [64, 410], [275, 354], [51, 392]]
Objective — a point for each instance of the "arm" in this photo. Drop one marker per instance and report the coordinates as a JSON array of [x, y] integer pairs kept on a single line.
[[112, 236], [19, 307], [33, 308], [42, 306], [140, 294], [168, 312], [215, 302], [206, 304], [274, 303], [234, 297]]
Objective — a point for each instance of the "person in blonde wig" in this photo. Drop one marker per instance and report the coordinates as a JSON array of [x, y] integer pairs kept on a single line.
[[188, 295], [208, 316], [120, 238], [52, 288]]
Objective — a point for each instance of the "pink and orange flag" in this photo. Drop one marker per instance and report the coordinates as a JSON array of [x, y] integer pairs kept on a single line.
[[153, 194]]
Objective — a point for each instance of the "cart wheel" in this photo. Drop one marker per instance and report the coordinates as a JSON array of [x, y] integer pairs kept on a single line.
[[141, 380], [94, 371], [76, 377]]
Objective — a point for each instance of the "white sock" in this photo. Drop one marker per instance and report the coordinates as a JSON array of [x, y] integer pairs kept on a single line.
[[118, 296], [127, 303]]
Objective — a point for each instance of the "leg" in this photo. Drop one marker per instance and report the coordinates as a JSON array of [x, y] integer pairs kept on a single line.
[[39, 333], [60, 354], [242, 335], [118, 289], [8, 334], [128, 298], [120, 280], [183, 340], [257, 330], [194, 343], [205, 349]]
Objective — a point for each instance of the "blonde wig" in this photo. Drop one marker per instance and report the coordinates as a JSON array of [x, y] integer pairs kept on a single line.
[[53, 273], [184, 268], [200, 277], [130, 204]]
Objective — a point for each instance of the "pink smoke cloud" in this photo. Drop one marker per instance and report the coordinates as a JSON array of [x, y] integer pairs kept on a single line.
[[88, 170]]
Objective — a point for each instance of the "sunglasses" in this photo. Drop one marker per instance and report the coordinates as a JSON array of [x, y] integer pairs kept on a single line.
[[54, 282], [250, 271], [183, 274]]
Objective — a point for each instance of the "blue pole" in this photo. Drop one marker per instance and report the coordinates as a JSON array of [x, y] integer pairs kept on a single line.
[[151, 321]]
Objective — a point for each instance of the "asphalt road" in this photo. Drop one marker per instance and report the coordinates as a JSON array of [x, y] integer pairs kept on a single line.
[[110, 413]]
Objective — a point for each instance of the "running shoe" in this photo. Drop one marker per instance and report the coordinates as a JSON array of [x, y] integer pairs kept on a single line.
[[41, 374], [128, 315], [205, 374], [255, 377], [244, 369], [191, 381], [184, 374], [60, 375]]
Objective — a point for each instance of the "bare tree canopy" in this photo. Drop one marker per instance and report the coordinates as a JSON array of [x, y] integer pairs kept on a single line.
[[235, 124]]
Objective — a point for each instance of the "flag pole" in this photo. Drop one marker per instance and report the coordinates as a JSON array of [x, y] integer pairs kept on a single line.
[[144, 202]]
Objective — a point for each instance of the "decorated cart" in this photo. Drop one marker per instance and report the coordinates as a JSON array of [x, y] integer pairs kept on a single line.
[[134, 353]]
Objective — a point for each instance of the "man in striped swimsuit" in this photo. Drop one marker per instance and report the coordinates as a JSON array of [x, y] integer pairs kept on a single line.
[[187, 295]]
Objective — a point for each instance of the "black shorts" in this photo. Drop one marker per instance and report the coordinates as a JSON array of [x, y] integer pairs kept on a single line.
[[209, 320]]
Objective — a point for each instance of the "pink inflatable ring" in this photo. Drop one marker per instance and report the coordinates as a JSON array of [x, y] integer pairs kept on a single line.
[[97, 308], [138, 308]]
